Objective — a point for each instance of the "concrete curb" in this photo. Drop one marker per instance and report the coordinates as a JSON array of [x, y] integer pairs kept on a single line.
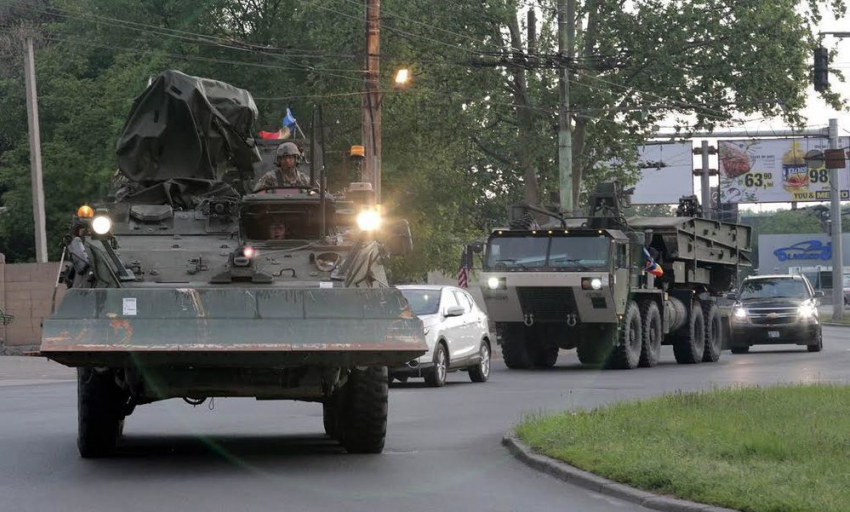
[[595, 483], [831, 324]]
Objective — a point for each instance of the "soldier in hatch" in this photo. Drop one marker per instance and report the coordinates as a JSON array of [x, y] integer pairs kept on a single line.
[[277, 231], [287, 174]]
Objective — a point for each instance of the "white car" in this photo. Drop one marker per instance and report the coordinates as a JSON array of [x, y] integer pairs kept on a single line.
[[456, 331]]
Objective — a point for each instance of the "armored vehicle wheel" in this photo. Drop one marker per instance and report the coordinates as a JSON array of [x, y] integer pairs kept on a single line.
[[100, 413], [363, 425], [436, 376], [713, 332], [626, 354], [592, 352], [743, 349], [545, 355], [650, 351], [689, 345], [514, 349], [481, 371]]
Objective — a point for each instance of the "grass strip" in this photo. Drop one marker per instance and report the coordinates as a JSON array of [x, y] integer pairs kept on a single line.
[[776, 449]]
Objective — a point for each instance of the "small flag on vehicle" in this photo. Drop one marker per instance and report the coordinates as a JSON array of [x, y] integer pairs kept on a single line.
[[651, 266], [463, 273], [287, 128]]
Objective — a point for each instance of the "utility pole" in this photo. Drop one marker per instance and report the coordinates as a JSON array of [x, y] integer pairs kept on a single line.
[[35, 154], [371, 124], [835, 216], [566, 33]]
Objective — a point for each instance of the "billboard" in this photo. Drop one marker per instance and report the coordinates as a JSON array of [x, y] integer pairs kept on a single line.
[[666, 173], [778, 171]]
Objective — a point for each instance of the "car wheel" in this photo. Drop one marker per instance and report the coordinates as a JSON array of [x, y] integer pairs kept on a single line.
[[818, 345], [436, 378], [742, 349], [481, 371]]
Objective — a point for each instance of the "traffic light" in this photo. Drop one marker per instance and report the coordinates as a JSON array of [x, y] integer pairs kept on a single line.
[[821, 69]]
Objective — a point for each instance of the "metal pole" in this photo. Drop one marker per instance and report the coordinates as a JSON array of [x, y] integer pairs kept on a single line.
[[705, 184], [566, 27], [835, 216], [35, 154], [371, 124]]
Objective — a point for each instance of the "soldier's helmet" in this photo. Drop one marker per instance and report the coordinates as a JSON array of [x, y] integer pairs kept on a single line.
[[287, 148]]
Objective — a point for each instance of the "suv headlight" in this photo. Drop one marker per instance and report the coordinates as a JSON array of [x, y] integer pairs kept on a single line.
[[739, 313], [807, 311]]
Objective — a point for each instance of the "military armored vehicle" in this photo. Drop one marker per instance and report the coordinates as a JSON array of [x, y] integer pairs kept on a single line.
[[584, 283], [183, 287]]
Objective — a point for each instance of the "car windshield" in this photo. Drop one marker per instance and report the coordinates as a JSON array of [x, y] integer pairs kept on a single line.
[[774, 289], [568, 253], [423, 302], [846, 280]]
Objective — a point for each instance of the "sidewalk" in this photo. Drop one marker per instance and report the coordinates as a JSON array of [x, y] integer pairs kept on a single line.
[[17, 370]]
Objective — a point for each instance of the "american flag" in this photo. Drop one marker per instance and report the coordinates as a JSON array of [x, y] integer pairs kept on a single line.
[[463, 273]]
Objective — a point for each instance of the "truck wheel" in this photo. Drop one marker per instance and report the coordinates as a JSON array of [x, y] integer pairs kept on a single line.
[[100, 413], [650, 351], [626, 354], [363, 425], [545, 356], [689, 346], [591, 352], [436, 376], [514, 349], [713, 332]]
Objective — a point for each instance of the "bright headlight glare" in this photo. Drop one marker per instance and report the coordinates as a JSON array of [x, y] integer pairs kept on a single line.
[[368, 220], [493, 283], [596, 283], [806, 311], [739, 313], [101, 224]]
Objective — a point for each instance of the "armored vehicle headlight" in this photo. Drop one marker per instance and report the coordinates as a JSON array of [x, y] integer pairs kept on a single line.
[[591, 283], [369, 220], [497, 283], [101, 224]]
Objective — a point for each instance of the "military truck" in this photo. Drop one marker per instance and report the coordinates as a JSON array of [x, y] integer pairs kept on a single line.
[[183, 287], [583, 283]]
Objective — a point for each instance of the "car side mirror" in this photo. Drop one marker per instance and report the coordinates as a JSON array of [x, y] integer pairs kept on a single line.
[[731, 296], [819, 294], [454, 311]]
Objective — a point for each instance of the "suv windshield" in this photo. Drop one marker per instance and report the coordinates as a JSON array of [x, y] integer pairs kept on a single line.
[[423, 302], [567, 253], [774, 289]]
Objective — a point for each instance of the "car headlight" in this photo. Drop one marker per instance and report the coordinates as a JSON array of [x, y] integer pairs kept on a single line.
[[369, 220], [497, 283], [101, 224], [806, 311], [739, 313]]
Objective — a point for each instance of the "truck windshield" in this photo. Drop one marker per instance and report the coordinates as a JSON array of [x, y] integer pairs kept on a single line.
[[563, 253], [774, 289]]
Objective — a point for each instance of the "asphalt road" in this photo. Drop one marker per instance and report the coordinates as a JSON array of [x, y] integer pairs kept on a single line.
[[443, 448]]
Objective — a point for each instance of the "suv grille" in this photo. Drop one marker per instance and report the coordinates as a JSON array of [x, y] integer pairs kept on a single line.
[[547, 303], [779, 316]]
